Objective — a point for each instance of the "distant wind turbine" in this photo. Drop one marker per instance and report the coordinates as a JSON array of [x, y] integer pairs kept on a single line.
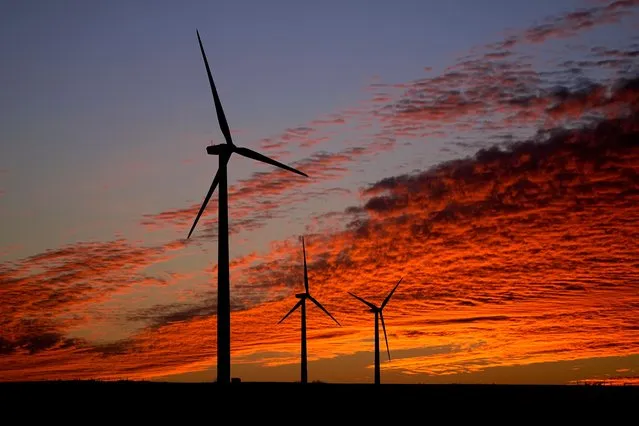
[[378, 315], [302, 303], [224, 151]]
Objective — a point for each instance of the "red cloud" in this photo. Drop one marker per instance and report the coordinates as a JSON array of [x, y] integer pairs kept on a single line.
[[333, 120], [270, 145], [303, 136], [46, 294], [572, 23], [594, 100], [510, 257], [498, 88], [496, 96]]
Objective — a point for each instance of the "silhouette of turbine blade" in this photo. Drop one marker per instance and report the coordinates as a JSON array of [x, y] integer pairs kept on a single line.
[[305, 269], [381, 315], [391, 293], [369, 304], [263, 158], [221, 118], [216, 180], [297, 305], [319, 305]]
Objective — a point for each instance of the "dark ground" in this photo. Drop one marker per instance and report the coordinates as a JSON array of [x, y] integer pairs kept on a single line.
[[122, 397]]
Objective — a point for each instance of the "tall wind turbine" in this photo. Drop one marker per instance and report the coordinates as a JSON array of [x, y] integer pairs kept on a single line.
[[302, 304], [378, 315], [224, 151]]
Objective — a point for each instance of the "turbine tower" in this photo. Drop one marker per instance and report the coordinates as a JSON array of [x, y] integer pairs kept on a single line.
[[224, 152], [378, 315], [302, 304]]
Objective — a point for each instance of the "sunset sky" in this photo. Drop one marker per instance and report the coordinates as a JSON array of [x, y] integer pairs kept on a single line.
[[486, 151]]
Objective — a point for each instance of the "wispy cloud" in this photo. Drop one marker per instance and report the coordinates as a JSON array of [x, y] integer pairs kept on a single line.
[[305, 136], [47, 294], [573, 23], [268, 190], [502, 88]]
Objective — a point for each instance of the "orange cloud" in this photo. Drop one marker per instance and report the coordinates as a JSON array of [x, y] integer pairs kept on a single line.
[[45, 295], [510, 258], [609, 381]]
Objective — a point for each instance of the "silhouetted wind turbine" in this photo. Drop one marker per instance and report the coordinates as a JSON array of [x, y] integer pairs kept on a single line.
[[302, 303], [378, 315], [224, 151]]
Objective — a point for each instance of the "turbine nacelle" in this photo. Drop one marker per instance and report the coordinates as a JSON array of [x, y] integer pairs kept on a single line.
[[307, 295], [225, 150], [219, 149]]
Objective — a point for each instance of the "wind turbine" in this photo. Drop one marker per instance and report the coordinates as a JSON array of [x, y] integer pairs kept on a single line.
[[302, 303], [378, 315], [224, 151]]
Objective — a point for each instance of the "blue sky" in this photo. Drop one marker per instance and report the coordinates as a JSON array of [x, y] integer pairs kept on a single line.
[[92, 91]]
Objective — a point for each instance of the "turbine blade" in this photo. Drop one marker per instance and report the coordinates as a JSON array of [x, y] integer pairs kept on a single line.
[[221, 118], [297, 305], [370, 305], [305, 269], [263, 158], [391, 293], [216, 179], [381, 315], [319, 305]]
